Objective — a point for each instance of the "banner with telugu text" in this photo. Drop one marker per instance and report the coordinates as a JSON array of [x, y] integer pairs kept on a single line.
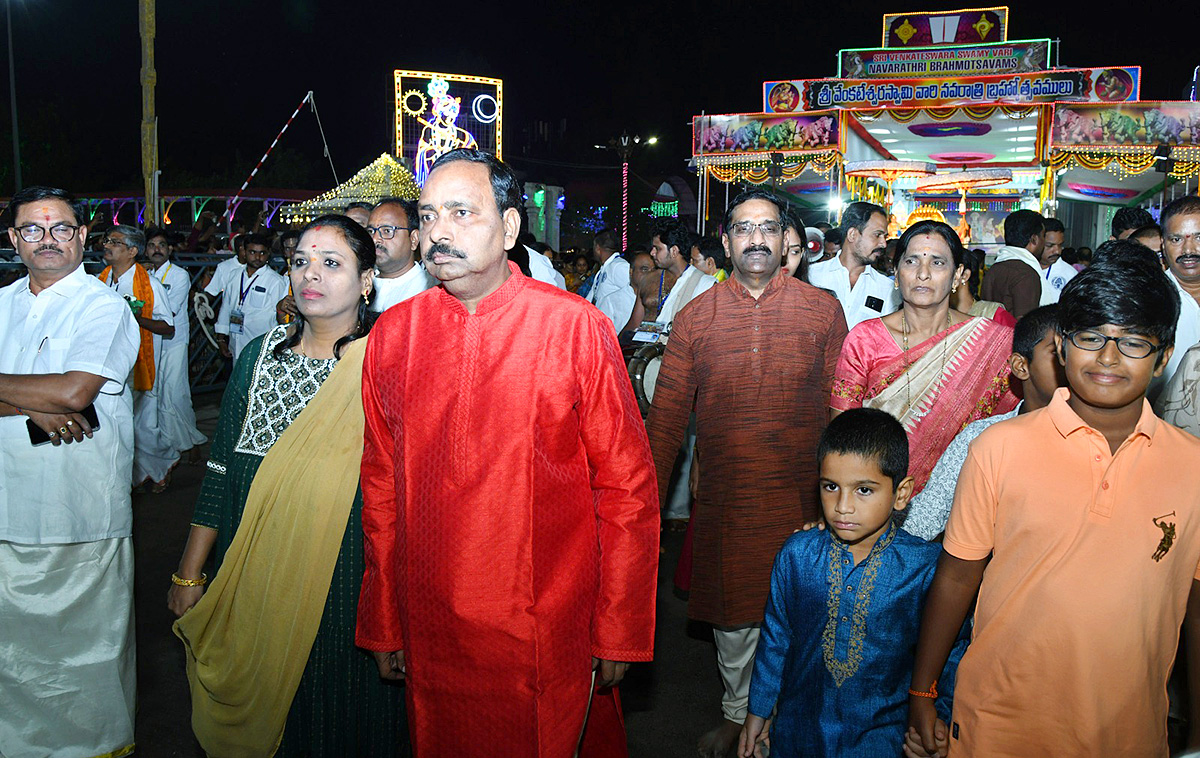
[[1079, 85], [889, 63]]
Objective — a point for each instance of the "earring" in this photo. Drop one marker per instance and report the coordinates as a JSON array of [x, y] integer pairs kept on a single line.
[[365, 293]]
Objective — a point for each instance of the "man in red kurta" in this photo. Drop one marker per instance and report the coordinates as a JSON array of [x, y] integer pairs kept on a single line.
[[509, 495]]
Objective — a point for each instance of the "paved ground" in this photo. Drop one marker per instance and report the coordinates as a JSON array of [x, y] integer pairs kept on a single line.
[[668, 702]]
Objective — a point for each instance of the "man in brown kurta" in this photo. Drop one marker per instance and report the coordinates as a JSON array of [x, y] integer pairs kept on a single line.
[[757, 353]]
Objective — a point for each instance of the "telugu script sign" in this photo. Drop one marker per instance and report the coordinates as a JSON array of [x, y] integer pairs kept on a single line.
[[1076, 85], [1008, 58]]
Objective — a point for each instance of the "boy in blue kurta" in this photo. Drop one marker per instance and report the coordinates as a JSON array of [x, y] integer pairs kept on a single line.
[[835, 656]]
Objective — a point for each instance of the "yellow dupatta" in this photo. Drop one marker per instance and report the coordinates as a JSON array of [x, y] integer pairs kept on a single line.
[[249, 638], [143, 369]]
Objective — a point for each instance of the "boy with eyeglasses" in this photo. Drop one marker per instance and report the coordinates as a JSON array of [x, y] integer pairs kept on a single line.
[[1078, 525]]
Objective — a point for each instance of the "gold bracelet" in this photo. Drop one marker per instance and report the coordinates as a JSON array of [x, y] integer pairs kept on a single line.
[[176, 579]]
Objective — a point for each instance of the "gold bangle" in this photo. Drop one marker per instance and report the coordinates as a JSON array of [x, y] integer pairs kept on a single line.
[[176, 579]]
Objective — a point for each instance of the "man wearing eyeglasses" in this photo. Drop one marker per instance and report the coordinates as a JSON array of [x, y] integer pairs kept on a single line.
[[398, 276], [757, 352], [67, 346]]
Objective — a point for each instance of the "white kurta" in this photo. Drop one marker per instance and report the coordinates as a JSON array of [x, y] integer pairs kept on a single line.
[[176, 416], [872, 296], [67, 679], [153, 453], [611, 291], [388, 292], [256, 296], [690, 284]]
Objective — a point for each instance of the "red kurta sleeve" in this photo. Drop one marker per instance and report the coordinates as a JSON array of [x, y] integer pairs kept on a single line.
[[622, 482], [673, 395], [379, 602]]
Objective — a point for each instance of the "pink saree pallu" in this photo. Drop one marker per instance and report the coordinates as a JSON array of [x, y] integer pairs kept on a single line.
[[936, 388]]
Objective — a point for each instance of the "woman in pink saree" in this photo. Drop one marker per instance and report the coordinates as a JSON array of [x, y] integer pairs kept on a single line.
[[933, 368]]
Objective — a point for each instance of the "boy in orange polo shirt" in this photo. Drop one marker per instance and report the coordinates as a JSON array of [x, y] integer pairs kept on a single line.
[[1078, 525]]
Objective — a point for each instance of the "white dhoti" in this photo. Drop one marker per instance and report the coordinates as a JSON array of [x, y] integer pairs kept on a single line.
[[176, 416], [67, 669], [153, 453]]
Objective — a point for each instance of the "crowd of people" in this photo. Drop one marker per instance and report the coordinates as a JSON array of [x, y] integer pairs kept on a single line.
[[931, 506]]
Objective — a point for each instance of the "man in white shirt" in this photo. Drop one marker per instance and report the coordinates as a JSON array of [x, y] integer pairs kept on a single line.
[[611, 291], [67, 346], [542, 268], [398, 276], [670, 247], [1180, 222], [248, 303], [863, 292], [176, 416], [1055, 271], [153, 454], [228, 269]]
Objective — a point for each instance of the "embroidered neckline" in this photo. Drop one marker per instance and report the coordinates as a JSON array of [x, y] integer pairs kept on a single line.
[[841, 670], [280, 388]]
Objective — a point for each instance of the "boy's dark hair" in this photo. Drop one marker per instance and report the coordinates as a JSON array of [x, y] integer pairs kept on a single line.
[[1126, 249], [835, 236], [1053, 225], [1126, 291], [1021, 226], [1130, 218], [871, 433], [747, 196], [1032, 327], [711, 247]]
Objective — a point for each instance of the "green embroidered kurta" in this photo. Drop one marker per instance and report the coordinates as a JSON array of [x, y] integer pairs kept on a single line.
[[342, 707]]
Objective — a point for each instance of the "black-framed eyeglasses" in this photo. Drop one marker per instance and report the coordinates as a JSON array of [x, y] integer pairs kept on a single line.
[[387, 231], [35, 233], [1130, 347]]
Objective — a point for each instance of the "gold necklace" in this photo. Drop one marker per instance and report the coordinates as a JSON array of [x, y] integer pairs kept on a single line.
[[908, 364]]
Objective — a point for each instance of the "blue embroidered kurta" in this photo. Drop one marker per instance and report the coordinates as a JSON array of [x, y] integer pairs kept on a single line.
[[837, 645]]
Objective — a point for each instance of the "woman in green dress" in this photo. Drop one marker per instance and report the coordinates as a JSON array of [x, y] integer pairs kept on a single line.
[[271, 658]]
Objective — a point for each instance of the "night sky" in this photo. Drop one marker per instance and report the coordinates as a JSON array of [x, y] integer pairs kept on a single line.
[[230, 73]]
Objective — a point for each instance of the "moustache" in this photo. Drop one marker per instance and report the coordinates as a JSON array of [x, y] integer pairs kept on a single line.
[[1188, 257], [47, 248], [757, 249], [879, 250], [441, 248]]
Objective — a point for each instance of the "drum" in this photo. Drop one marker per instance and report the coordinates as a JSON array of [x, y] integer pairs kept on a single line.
[[643, 372]]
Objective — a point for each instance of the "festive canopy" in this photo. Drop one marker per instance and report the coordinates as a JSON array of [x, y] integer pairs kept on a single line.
[[383, 177]]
